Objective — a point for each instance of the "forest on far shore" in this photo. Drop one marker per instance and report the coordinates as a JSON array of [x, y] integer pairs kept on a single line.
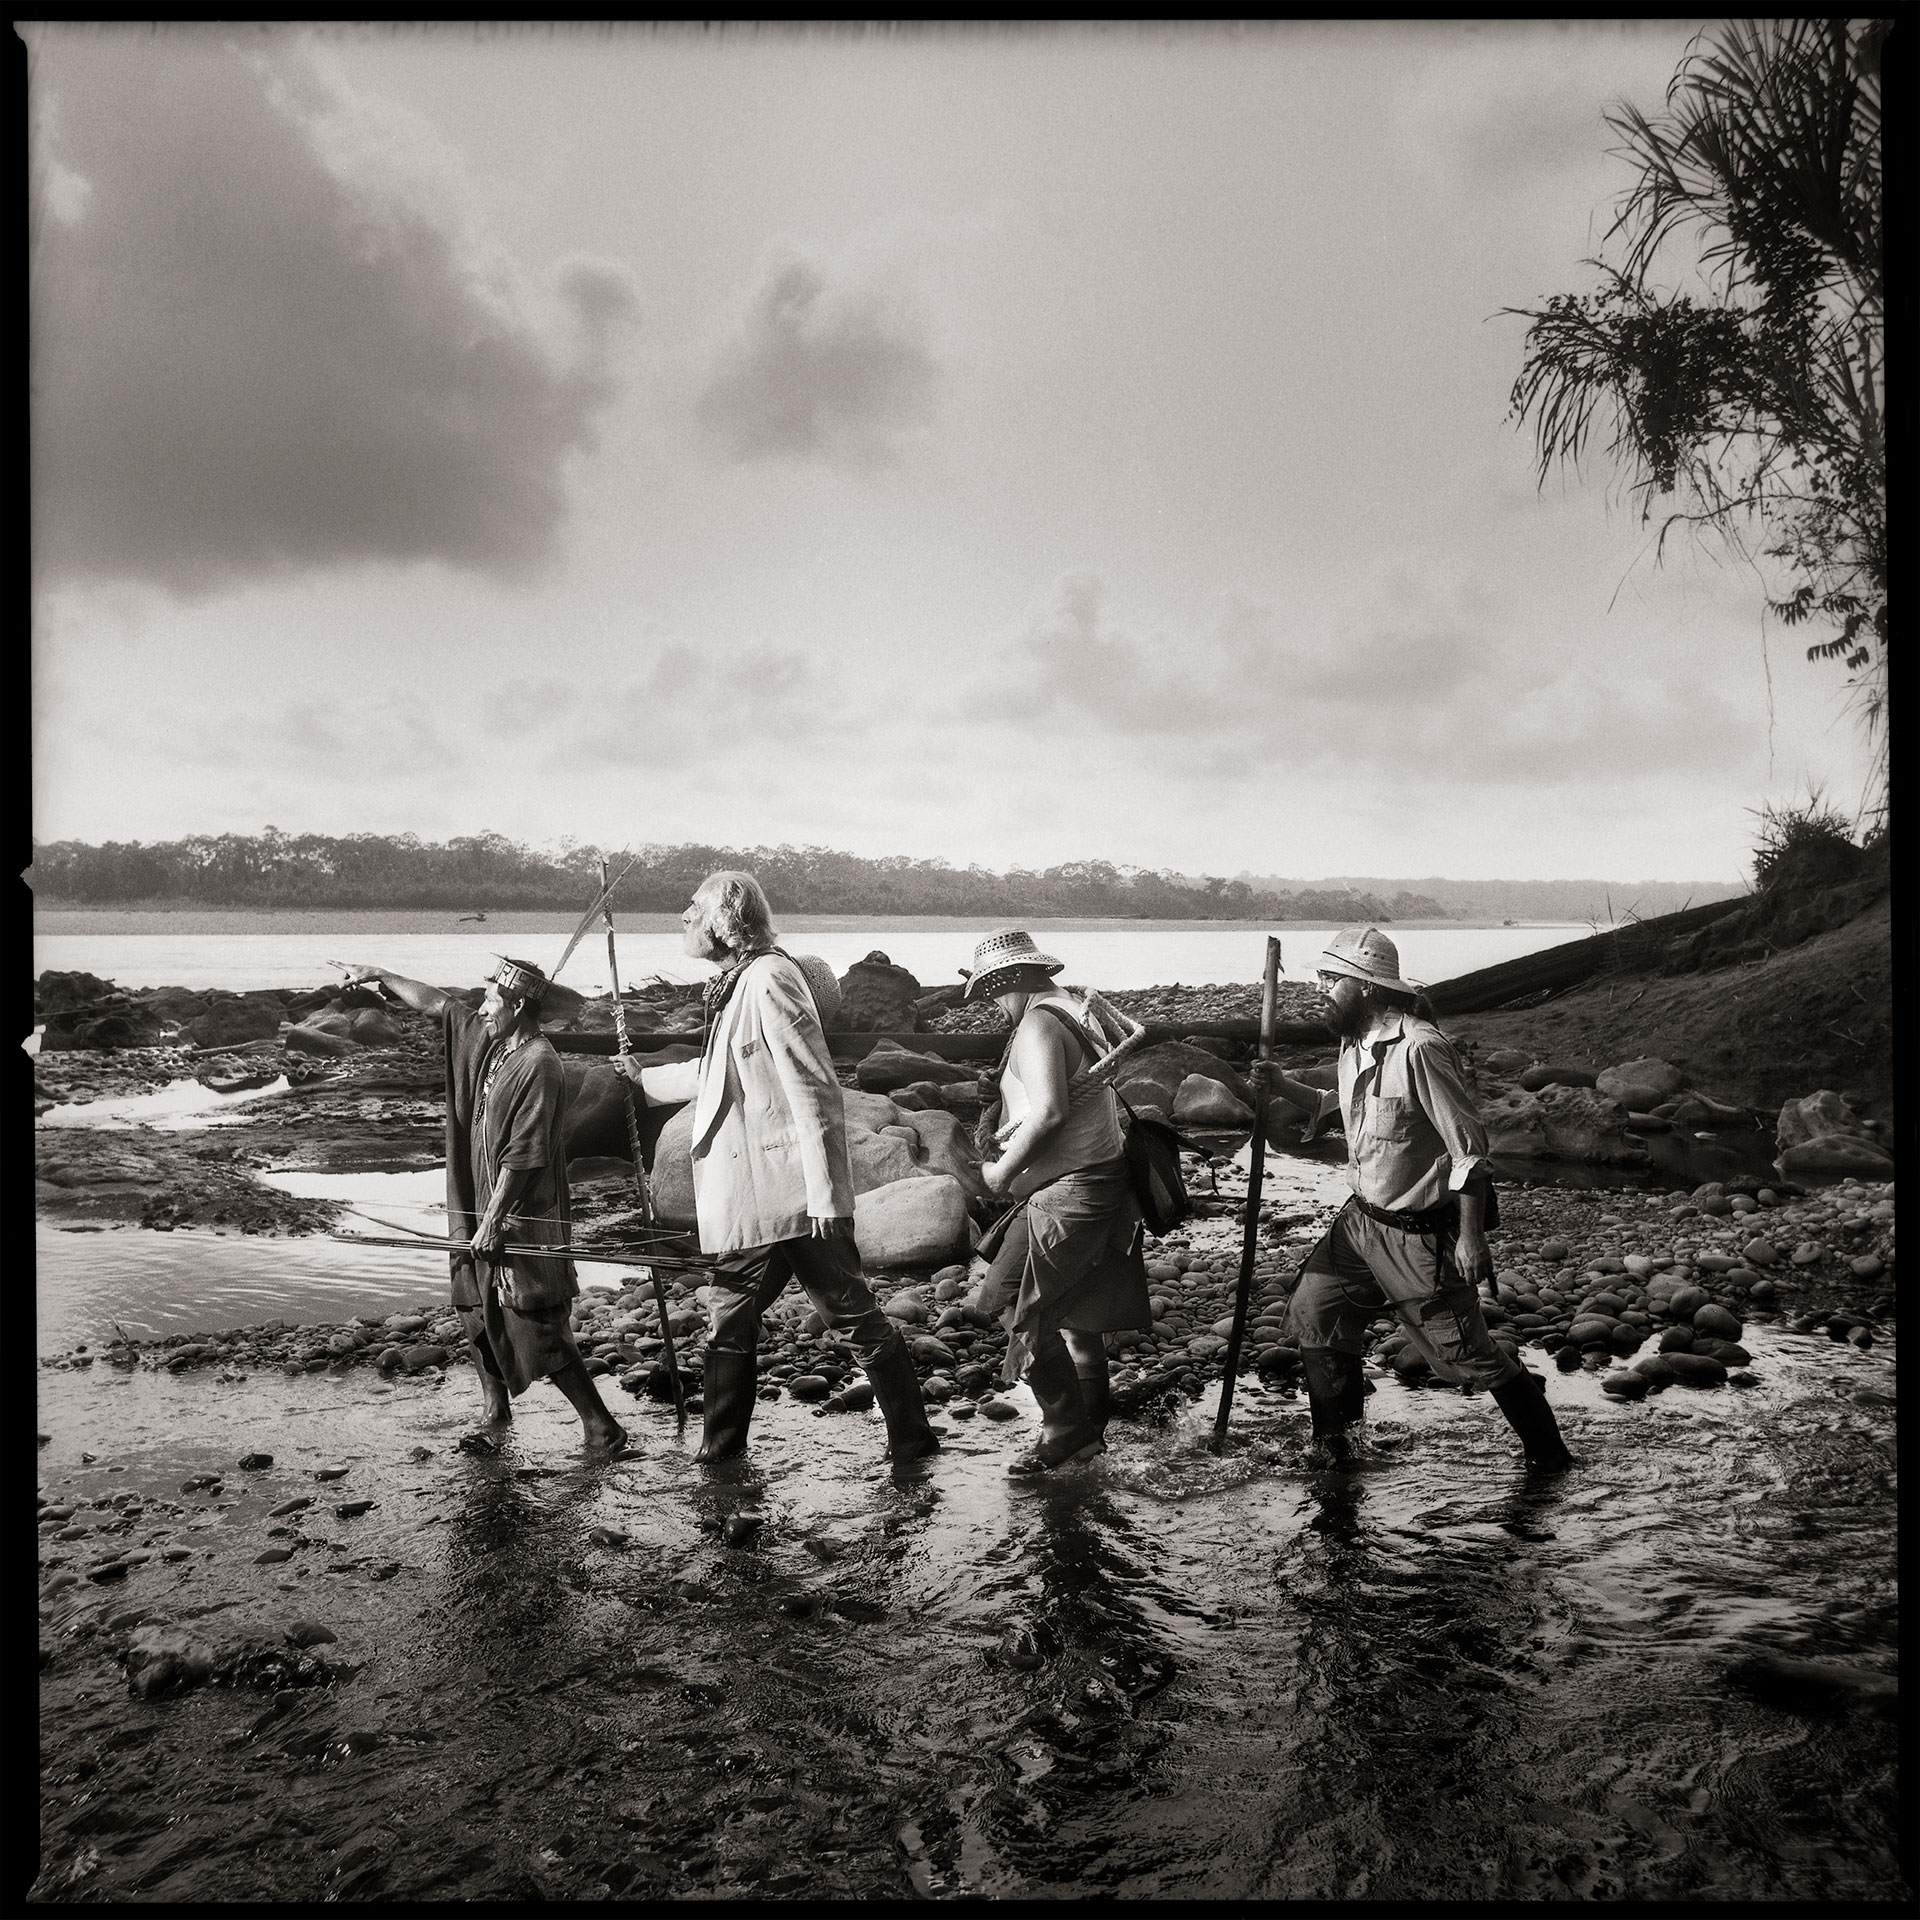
[[488, 872]]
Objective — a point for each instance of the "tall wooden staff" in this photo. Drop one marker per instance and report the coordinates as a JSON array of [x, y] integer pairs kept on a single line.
[[1256, 1169], [624, 1045]]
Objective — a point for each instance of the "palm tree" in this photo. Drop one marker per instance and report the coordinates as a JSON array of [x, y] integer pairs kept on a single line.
[[1759, 405]]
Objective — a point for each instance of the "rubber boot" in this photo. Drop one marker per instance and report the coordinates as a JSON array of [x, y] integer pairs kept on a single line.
[[727, 1388], [1067, 1435], [896, 1388], [1096, 1398], [1523, 1399], [1336, 1397]]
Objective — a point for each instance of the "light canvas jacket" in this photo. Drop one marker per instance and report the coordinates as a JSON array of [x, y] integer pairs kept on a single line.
[[769, 1124]]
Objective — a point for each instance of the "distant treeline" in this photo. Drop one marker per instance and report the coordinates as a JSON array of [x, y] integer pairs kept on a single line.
[[490, 872], [1491, 901]]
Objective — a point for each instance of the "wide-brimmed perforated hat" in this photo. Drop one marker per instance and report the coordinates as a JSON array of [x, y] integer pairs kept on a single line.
[[1000, 953], [521, 978], [1367, 954]]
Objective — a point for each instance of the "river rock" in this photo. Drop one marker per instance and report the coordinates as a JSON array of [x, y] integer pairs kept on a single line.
[[311, 1039], [879, 1159], [1640, 1085], [1153, 1076], [878, 997], [1677, 1340], [1592, 1329], [1556, 1075], [1761, 1253], [374, 1027], [235, 1021], [1837, 1153], [1508, 1060], [1817, 1116], [809, 1386], [911, 1222], [1626, 1385], [888, 1066], [999, 1410], [160, 1660], [1730, 1353], [1684, 1302], [310, 1633], [943, 1145], [1695, 1369], [1717, 1321], [1202, 1101]]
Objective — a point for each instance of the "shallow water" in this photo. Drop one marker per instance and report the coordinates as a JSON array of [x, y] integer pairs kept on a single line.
[[1163, 1675], [1111, 954], [181, 1106]]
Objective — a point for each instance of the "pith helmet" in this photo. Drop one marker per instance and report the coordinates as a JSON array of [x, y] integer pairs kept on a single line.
[[521, 978], [1003, 950], [1367, 954]]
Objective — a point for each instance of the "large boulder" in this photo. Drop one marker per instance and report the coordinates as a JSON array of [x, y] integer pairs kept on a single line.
[[902, 1147], [1153, 1077], [888, 1067], [868, 1109], [130, 1025], [57, 992], [374, 1027], [877, 997], [1816, 1116], [1838, 1153], [232, 1022], [880, 1158], [1561, 1123], [946, 1147], [322, 1042], [1201, 1101], [595, 1125], [916, 1222], [1641, 1085]]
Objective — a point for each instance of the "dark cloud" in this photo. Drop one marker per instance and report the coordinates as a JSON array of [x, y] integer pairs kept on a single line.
[[259, 345], [826, 363]]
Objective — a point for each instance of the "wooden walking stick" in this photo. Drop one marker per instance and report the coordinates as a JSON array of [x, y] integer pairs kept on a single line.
[[625, 1045], [1256, 1168]]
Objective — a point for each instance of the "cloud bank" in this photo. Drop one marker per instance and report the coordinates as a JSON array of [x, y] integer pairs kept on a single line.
[[266, 338], [826, 360]]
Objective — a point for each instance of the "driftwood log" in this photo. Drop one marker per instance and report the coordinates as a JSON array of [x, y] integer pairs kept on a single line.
[[1641, 943]]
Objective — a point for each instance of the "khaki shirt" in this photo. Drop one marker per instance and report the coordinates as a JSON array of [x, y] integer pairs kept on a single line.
[[1414, 1135]]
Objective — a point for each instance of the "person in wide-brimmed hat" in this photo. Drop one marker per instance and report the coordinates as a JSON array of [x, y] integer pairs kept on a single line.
[[1068, 1256], [1412, 1240]]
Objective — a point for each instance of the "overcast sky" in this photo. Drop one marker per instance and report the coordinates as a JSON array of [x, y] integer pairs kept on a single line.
[[1012, 447]]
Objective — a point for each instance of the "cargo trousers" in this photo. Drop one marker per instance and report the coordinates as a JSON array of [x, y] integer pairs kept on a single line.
[[1361, 1267]]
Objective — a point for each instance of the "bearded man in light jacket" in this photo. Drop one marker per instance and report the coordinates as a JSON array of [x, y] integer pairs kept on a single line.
[[772, 1184]]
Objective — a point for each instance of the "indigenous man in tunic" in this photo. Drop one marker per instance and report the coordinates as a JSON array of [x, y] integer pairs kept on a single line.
[[507, 1181], [772, 1185], [1413, 1237]]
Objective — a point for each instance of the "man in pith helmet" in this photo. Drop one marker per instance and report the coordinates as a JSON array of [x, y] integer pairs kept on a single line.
[[507, 1181], [1413, 1237]]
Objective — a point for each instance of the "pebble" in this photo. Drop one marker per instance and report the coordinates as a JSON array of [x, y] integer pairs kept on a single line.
[[998, 1410], [310, 1633]]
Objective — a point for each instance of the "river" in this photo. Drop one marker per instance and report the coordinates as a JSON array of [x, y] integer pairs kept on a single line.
[[239, 951]]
